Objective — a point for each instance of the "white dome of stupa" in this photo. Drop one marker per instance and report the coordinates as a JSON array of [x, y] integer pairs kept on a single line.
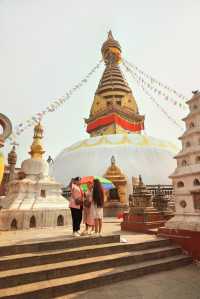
[[134, 153], [35, 167]]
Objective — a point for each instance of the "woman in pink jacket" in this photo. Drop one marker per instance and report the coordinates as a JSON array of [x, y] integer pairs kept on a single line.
[[76, 205]]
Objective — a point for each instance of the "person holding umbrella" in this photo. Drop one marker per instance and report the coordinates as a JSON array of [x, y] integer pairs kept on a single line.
[[88, 210], [105, 183], [76, 205], [96, 208]]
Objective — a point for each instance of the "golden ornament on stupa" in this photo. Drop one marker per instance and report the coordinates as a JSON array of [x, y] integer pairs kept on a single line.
[[111, 47], [37, 148]]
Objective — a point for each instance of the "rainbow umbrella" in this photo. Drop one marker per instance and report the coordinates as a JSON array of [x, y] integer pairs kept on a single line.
[[106, 184]]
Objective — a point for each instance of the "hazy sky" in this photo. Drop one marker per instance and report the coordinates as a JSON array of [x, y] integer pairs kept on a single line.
[[47, 46]]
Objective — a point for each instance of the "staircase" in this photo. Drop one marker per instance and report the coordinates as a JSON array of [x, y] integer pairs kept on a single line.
[[56, 268]]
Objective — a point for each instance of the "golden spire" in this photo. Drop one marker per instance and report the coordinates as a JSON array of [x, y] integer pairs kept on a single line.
[[112, 79], [37, 148], [111, 50], [114, 104]]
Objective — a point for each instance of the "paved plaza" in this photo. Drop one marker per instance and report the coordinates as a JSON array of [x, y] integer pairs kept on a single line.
[[181, 283], [110, 226]]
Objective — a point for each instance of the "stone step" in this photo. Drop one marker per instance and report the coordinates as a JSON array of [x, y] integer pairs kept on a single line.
[[27, 275], [55, 256], [153, 231], [53, 288], [52, 244]]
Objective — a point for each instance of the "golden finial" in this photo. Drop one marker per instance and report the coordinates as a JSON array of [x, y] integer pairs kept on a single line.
[[37, 148], [38, 131], [111, 50]]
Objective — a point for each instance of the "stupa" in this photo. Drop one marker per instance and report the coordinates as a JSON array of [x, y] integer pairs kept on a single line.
[[117, 197], [35, 200], [116, 129], [184, 227]]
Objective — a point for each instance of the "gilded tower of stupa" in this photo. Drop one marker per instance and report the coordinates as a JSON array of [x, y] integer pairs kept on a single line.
[[114, 109]]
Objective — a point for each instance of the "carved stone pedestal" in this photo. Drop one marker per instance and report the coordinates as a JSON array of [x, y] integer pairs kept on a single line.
[[161, 203]]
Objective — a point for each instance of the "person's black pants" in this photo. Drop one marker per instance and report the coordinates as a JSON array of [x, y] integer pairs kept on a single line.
[[76, 218]]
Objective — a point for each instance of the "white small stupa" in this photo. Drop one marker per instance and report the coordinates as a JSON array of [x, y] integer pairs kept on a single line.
[[36, 200]]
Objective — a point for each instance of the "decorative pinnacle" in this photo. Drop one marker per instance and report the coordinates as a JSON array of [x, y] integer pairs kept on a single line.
[[37, 148], [140, 180], [14, 143], [12, 156], [50, 160], [110, 35], [111, 50], [38, 131], [195, 92], [113, 160]]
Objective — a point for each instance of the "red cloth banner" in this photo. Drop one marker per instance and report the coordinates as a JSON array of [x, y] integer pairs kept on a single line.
[[113, 118]]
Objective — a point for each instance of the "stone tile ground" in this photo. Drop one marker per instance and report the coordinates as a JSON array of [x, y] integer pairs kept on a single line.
[[110, 226], [182, 283]]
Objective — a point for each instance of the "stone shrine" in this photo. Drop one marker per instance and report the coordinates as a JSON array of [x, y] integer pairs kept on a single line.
[[35, 200], [116, 198], [142, 216], [161, 203]]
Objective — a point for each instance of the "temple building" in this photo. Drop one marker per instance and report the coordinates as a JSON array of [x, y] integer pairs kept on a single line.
[[116, 128], [35, 200]]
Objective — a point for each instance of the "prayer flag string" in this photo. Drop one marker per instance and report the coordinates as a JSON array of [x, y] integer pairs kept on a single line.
[[160, 89], [53, 106], [145, 90]]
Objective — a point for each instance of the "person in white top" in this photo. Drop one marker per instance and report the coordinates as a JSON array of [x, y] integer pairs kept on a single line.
[[98, 198]]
